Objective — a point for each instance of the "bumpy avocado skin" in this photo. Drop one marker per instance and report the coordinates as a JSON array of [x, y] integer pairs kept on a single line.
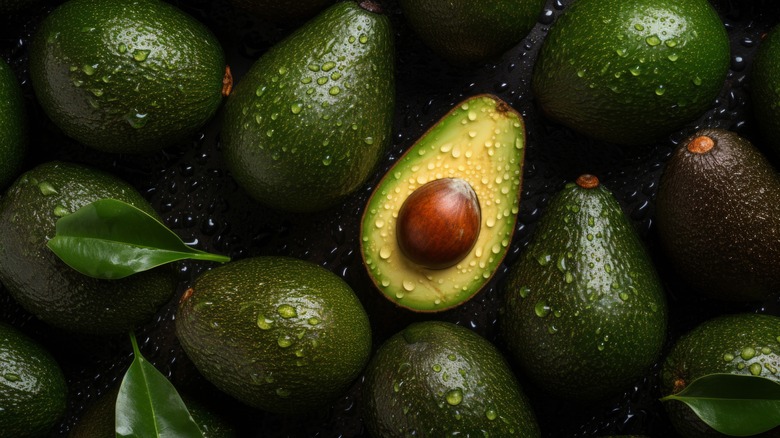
[[436, 378], [305, 127], [126, 76], [13, 125], [583, 309], [42, 283], [740, 343], [718, 217], [765, 89], [282, 11], [33, 394], [631, 71], [466, 32]]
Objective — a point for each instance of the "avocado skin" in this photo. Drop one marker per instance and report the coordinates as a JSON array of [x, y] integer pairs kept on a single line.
[[584, 76], [701, 351], [765, 89], [583, 310], [467, 32], [233, 326], [311, 160], [13, 125], [31, 405], [404, 394], [42, 283], [282, 11], [101, 87], [718, 218]]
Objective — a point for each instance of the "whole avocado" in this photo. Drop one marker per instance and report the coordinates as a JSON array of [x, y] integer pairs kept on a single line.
[[466, 32], [47, 287], [741, 343], [718, 217], [13, 125], [33, 393], [765, 89], [436, 378], [307, 124], [276, 333], [126, 76], [583, 309], [631, 71]]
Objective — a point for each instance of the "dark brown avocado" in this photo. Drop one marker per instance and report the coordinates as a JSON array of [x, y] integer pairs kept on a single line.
[[718, 216]]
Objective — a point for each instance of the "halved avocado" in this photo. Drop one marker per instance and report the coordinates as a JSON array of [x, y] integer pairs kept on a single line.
[[480, 142]]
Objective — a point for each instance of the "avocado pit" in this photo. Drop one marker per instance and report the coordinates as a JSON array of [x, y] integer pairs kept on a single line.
[[438, 224]]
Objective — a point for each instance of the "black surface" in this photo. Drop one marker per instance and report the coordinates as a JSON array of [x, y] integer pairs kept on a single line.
[[190, 188]]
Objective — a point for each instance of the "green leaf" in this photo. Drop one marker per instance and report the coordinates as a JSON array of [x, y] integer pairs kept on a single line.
[[111, 239], [733, 404], [148, 405]]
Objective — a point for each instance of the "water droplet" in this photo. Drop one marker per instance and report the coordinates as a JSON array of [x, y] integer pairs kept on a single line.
[[141, 55], [673, 57], [524, 291], [747, 353], [287, 311], [328, 66], [408, 285], [314, 67], [122, 48], [653, 40], [454, 397], [660, 90], [282, 70], [437, 368], [313, 320], [728, 357], [697, 81], [335, 75], [363, 39], [755, 368], [623, 296], [284, 341], [12, 377], [60, 211], [334, 91], [296, 108], [542, 309], [491, 414], [385, 252], [671, 43], [260, 90], [46, 188], [264, 323], [89, 70], [282, 392], [622, 52], [544, 259], [766, 350], [137, 120], [327, 160]]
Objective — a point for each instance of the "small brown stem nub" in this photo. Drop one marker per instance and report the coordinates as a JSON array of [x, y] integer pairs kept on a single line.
[[371, 6], [588, 181], [227, 82], [186, 295], [701, 145]]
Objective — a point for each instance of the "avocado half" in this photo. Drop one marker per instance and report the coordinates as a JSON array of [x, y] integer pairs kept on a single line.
[[480, 142]]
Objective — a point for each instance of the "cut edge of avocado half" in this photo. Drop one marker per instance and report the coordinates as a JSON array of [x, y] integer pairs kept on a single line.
[[481, 141]]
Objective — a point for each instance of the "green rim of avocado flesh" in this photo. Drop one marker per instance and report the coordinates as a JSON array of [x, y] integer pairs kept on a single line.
[[481, 141]]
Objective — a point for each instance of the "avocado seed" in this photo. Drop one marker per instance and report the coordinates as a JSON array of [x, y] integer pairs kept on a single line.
[[439, 223]]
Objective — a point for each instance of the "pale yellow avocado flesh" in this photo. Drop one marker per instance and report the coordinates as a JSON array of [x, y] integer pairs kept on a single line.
[[482, 141]]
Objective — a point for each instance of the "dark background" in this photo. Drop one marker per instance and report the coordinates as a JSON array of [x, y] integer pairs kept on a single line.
[[191, 189]]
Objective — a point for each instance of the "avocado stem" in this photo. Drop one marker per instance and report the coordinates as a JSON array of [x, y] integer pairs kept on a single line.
[[588, 181], [371, 6], [227, 82], [701, 145]]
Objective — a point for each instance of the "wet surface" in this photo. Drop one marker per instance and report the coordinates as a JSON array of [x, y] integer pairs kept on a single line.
[[193, 192]]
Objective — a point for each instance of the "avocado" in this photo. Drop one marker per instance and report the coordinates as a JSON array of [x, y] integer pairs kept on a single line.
[[439, 223], [466, 32], [276, 333], [99, 419], [718, 217], [283, 11], [126, 77], [33, 393], [583, 310], [307, 124], [765, 89], [742, 343], [13, 125], [631, 71], [436, 378], [42, 283]]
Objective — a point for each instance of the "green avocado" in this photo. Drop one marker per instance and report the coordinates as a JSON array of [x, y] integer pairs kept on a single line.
[[126, 76], [284, 11], [438, 379], [466, 32], [42, 283], [631, 71], [33, 391], [276, 333], [13, 125], [742, 343], [765, 89], [583, 309], [307, 124], [439, 223], [718, 217]]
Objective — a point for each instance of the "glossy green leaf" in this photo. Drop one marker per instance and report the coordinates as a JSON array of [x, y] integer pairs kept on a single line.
[[111, 239], [148, 405], [733, 404]]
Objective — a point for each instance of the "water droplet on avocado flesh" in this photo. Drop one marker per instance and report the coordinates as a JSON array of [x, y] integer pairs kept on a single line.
[[480, 141]]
